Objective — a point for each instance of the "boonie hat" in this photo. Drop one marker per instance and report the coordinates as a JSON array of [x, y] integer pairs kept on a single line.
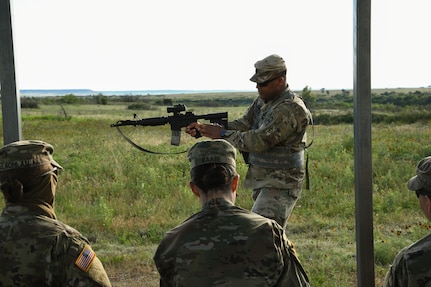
[[27, 153], [268, 68], [422, 179], [211, 151]]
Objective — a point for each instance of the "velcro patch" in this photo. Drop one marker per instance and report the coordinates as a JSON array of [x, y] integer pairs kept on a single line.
[[85, 259]]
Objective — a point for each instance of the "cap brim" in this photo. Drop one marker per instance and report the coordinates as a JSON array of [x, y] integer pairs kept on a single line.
[[260, 79], [414, 183], [254, 78]]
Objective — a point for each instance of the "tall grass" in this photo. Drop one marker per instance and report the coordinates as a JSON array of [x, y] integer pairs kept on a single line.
[[124, 200]]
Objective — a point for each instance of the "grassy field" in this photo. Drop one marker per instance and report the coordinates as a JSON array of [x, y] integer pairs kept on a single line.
[[124, 200]]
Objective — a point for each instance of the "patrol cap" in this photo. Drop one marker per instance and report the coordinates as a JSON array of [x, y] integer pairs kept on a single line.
[[211, 151], [422, 179], [27, 153], [268, 68]]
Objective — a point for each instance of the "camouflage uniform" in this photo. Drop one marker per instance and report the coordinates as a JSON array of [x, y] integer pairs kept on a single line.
[[35, 248], [273, 134], [225, 245], [412, 265]]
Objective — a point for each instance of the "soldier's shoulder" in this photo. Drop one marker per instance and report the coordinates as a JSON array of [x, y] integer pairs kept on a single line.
[[258, 223], [289, 102], [34, 225], [417, 253], [418, 250], [62, 235], [68, 230], [54, 226], [413, 262]]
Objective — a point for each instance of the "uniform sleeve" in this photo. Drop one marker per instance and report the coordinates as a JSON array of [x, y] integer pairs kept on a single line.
[[245, 123], [293, 274], [280, 125], [163, 265], [79, 265], [397, 275]]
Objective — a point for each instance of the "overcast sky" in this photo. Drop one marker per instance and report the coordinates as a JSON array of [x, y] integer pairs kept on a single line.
[[213, 45]]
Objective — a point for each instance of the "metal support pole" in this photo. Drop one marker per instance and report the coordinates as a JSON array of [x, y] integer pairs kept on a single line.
[[11, 107], [362, 140]]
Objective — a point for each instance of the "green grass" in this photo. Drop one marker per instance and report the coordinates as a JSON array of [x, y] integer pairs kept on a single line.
[[124, 200]]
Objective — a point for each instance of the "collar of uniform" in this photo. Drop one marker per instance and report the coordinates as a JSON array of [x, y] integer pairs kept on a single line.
[[217, 202], [14, 209], [284, 94]]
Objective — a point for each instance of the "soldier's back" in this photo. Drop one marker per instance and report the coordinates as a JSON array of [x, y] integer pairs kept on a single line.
[[33, 248], [223, 245]]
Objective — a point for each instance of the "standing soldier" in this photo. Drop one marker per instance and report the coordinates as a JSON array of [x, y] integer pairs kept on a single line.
[[272, 135], [35, 248]]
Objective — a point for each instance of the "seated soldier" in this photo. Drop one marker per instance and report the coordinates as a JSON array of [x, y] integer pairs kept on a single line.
[[225, 245], [412, 265], [35, 248]]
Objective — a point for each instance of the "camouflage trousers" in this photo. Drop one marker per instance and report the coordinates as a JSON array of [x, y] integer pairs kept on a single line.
[[275, 203]]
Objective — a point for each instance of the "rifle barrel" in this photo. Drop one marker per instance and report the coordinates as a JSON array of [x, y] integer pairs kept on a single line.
[[159, 121]]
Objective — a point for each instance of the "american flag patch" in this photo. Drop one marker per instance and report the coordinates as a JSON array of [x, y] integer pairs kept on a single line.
[[85, 259]]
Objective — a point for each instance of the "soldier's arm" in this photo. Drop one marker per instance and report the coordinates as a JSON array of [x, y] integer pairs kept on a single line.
[[277, 127], [293, 274], [79, 264], [163, 265], [397, 275], [245, 122]]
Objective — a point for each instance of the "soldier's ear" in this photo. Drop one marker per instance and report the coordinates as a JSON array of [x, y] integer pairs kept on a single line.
[[428, 206], [235, 182], [195, 189]]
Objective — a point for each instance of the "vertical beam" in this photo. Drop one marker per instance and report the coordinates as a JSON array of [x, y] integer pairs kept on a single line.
[[11, 107], [362, 140]]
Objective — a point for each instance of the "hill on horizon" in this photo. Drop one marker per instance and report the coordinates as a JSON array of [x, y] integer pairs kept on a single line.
[[90, 92]]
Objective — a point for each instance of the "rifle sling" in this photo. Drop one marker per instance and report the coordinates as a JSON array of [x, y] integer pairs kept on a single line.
[[143, 149]]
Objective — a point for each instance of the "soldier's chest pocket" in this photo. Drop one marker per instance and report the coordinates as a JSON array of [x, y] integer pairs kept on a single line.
[[264, 119]]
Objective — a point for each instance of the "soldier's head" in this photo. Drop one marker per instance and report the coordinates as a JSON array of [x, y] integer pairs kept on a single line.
[[213, 169], [270, 76], [25, 167], [421, 184]]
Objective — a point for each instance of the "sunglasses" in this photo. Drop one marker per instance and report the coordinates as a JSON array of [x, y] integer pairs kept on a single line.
[[266, 83]]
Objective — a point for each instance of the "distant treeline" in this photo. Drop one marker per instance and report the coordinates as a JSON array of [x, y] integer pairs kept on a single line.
[[345, 99], [388, 107], [409, 116], [135, 101]]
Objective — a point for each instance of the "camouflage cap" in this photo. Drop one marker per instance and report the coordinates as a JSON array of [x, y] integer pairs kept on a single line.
[[28, 153], [422, 179], [268, 68], [212, 151]]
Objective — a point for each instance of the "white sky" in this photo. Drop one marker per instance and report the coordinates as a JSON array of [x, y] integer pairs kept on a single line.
[[206, 45]]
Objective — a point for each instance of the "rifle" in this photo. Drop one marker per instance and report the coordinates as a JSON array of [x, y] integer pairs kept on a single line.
[[177, 121]]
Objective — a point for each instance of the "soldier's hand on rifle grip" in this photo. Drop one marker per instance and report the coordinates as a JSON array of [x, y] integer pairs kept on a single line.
[[198, 134], [191, 129], [207, 130]]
